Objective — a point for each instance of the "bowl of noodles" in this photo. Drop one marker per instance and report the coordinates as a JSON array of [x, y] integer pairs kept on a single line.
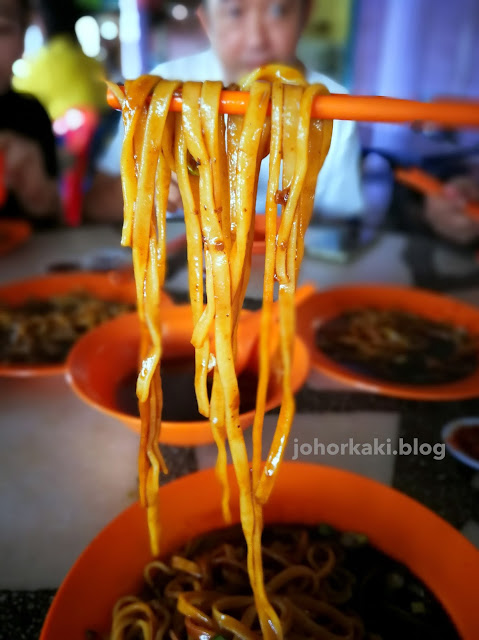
[[321, 500], [42, 317], [399, 341], [102, 369]]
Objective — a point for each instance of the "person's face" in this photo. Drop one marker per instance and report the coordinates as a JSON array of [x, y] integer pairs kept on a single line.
[[249, 33], [11, 40]]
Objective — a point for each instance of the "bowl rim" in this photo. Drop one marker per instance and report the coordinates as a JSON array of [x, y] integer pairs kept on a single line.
[[446, 432], [59, 284], [323, 489], [16, 232], [323, 305], [187, 433]]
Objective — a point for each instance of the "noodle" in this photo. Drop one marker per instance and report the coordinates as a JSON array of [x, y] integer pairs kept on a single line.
[[217, 166], [325, 585]]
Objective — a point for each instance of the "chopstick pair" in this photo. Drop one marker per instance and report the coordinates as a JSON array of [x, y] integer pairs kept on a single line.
[[427, 184], [455, 113]]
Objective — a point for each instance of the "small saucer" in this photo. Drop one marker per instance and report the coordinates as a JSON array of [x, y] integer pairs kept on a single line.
[[447, 434]]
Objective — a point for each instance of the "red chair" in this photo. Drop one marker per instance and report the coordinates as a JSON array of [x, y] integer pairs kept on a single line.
[[75, 129]]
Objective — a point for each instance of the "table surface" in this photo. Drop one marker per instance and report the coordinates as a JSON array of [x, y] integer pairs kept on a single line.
[[58, 491]]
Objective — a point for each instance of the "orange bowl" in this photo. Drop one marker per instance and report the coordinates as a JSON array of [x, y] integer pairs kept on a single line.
[[13, 233], [259, 242], [104, 358], [106, 286], [315, 308], [112, 564]]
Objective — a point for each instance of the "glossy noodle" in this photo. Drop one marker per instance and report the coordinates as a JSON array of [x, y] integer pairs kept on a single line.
[[325, 585], [217, 162]]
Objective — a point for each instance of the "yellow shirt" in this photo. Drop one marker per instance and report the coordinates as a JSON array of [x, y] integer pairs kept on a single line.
[[62, 77]]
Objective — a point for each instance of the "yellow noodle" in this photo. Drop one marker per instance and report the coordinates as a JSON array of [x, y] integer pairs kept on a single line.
[[295, 165], [132, 109], [269, 272], [189, 192], [219, 209], [246, 176], [222, 279]]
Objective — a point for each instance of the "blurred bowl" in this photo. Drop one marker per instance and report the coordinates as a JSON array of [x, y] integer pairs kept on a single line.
[[259, 242], [114, 286], [102, 367], [13, 234], [461, 437], [112, 565], [322, 306]]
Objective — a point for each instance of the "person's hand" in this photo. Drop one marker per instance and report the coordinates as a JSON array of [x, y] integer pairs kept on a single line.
[[446, 212], [26, 176], [174, 198], [104, 200]]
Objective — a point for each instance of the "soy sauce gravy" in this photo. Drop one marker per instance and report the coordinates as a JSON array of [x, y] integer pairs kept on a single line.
[[179, 401]]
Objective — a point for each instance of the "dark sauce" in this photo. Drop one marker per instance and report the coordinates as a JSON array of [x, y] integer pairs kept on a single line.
[[388, 597], [439, 354], [259, 236], [466, 439], [179, 401], [384, 594], [62, 267]]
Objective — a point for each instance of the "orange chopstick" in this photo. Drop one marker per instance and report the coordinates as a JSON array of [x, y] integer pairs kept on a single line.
[[423, 182], [361, 108]]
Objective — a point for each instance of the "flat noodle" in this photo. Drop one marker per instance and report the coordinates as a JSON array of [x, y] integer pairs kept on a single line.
[[189, 188], [147, 230], [296, 171], [133, 107], [214, 128], [269, 275], [201, 591], [224, 280], [219, 207]]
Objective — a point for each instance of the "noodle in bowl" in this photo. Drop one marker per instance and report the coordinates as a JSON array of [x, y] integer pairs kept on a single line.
[[107, 357], [112, 566]]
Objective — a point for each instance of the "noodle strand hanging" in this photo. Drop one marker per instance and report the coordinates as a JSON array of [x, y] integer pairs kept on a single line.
[[217, 163]]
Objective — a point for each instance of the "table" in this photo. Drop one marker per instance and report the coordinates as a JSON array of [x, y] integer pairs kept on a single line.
[[79, 466]]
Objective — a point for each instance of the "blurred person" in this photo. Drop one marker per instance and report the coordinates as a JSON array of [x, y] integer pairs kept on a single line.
[[245, 34], [60, 75], [446, 213], [71, 87], [27, 144], [443, 214]]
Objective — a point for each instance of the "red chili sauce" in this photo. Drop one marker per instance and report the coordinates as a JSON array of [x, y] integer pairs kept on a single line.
[[467, 440]]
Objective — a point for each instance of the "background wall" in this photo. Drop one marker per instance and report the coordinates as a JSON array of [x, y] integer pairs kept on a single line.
[[418, 49]]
